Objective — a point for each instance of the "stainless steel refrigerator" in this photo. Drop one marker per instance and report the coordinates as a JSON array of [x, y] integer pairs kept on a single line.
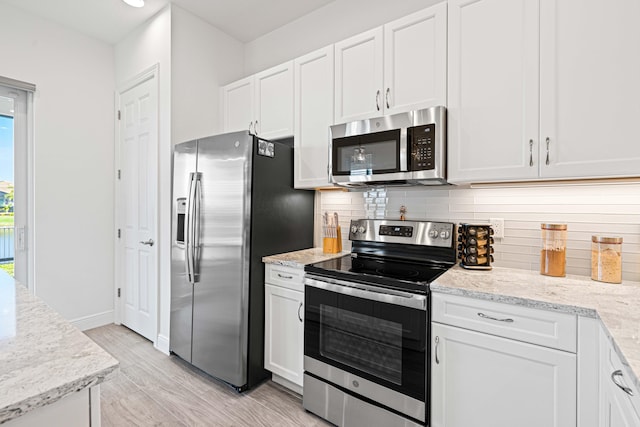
[[233, 203]]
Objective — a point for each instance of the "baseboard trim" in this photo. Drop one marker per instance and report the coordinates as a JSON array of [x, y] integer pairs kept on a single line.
[[162, 344], [93, 320]]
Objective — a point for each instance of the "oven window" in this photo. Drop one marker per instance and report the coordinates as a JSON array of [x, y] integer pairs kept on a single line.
[[378, 341], [366, 343]]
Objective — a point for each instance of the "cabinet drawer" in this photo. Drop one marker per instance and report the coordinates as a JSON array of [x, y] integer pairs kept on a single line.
[[550, 329], [288, 277]]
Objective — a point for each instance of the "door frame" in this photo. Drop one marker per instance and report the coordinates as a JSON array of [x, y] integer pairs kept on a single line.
[[148, 74], [25, 157]]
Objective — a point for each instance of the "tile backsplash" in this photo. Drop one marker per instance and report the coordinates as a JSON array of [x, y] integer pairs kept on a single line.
[[611, 209]]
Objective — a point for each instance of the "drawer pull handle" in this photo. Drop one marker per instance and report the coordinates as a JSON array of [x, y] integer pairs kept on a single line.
[[299, 317], [282, 276], [437, 343], [484, 316], [624, 388]]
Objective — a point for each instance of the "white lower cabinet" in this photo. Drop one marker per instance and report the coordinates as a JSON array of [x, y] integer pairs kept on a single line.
[[486, 381], [481, 379], [284, 325], [619, 398]]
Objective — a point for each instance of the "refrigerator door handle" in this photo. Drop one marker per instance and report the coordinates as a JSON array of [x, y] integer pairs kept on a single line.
[[196, 228], [189, 226]]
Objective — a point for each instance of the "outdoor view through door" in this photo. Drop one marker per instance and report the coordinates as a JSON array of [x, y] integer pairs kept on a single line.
[[7, 237]]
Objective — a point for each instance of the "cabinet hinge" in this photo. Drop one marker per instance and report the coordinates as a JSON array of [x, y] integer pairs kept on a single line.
[[118, 292], [118, 114], [119, 233]]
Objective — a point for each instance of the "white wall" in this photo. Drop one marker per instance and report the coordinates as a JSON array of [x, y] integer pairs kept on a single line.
[[604, 209], [202, 59], [74, 160], [148, 45], [336, 21]]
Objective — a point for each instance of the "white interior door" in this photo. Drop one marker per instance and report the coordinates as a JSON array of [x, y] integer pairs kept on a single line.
[[138, 143]]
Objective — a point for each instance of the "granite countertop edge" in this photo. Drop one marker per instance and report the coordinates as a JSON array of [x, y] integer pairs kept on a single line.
[[48, 397], [298, 259], [46, 358]]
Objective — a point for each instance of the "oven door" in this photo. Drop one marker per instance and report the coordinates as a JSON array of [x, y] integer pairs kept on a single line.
[[369, 341]]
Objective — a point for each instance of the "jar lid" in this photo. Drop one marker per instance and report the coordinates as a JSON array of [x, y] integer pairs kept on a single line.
[[606, 240], [553, 226]]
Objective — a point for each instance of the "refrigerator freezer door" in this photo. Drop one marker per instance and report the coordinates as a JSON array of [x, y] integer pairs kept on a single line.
[[184, 166], [220, 300]]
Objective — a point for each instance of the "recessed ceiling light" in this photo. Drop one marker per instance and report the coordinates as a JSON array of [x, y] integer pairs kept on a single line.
[[134, 3]]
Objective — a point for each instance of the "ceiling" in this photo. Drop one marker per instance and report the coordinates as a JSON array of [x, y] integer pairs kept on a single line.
[[111, 20]]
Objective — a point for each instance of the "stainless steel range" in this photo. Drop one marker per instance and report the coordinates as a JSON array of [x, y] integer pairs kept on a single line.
[[366, 348]]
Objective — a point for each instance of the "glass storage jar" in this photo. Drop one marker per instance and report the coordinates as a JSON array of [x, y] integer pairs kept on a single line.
[[606, 259], [553, 256]]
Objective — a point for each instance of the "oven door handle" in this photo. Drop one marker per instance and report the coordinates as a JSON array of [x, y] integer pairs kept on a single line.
[[373, 293]]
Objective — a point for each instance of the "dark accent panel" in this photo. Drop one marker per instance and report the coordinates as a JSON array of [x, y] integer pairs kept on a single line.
[[281, 221]]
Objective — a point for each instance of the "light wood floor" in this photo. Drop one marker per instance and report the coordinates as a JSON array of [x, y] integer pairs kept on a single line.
[[153, 389]]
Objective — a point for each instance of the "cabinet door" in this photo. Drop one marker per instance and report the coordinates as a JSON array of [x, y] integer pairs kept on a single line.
[[616, 411], [284, 332], [493, 90], [415, 61], [313, 107], [483, 380], [590, 88], [358, 74], [616, 405], [237, 105], [274, 101]]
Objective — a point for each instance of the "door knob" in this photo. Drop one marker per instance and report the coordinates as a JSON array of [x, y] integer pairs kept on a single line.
[[149, 242]]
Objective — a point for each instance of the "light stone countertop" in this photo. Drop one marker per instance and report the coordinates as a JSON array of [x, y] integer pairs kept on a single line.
[[616, 305], [42, 356], [299, 259]]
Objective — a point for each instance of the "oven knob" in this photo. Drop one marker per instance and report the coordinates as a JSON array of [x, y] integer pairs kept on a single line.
[[361, 229], [354, 228], [444, 234], [433, 233]]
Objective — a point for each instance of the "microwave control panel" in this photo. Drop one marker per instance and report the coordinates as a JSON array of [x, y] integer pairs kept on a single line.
[[422, 143]]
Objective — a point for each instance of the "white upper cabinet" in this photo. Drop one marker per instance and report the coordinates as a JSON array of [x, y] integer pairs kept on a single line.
[[358, 74], [493, 104], [274, 102], [313, 112], [395, 68], [237, 105], [542, 89], [261, 103], [415, 61], [590, 93]]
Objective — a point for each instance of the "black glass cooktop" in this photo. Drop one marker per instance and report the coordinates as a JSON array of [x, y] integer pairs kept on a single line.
[[413, 276]]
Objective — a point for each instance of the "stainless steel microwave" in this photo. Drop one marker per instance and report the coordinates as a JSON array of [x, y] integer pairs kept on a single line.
[[401, 149]]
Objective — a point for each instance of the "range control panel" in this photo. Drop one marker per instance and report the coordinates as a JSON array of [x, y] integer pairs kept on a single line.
[[396, 230], [425, 233]]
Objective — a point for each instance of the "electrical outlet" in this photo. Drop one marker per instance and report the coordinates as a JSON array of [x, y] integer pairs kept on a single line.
[[498, 227]]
